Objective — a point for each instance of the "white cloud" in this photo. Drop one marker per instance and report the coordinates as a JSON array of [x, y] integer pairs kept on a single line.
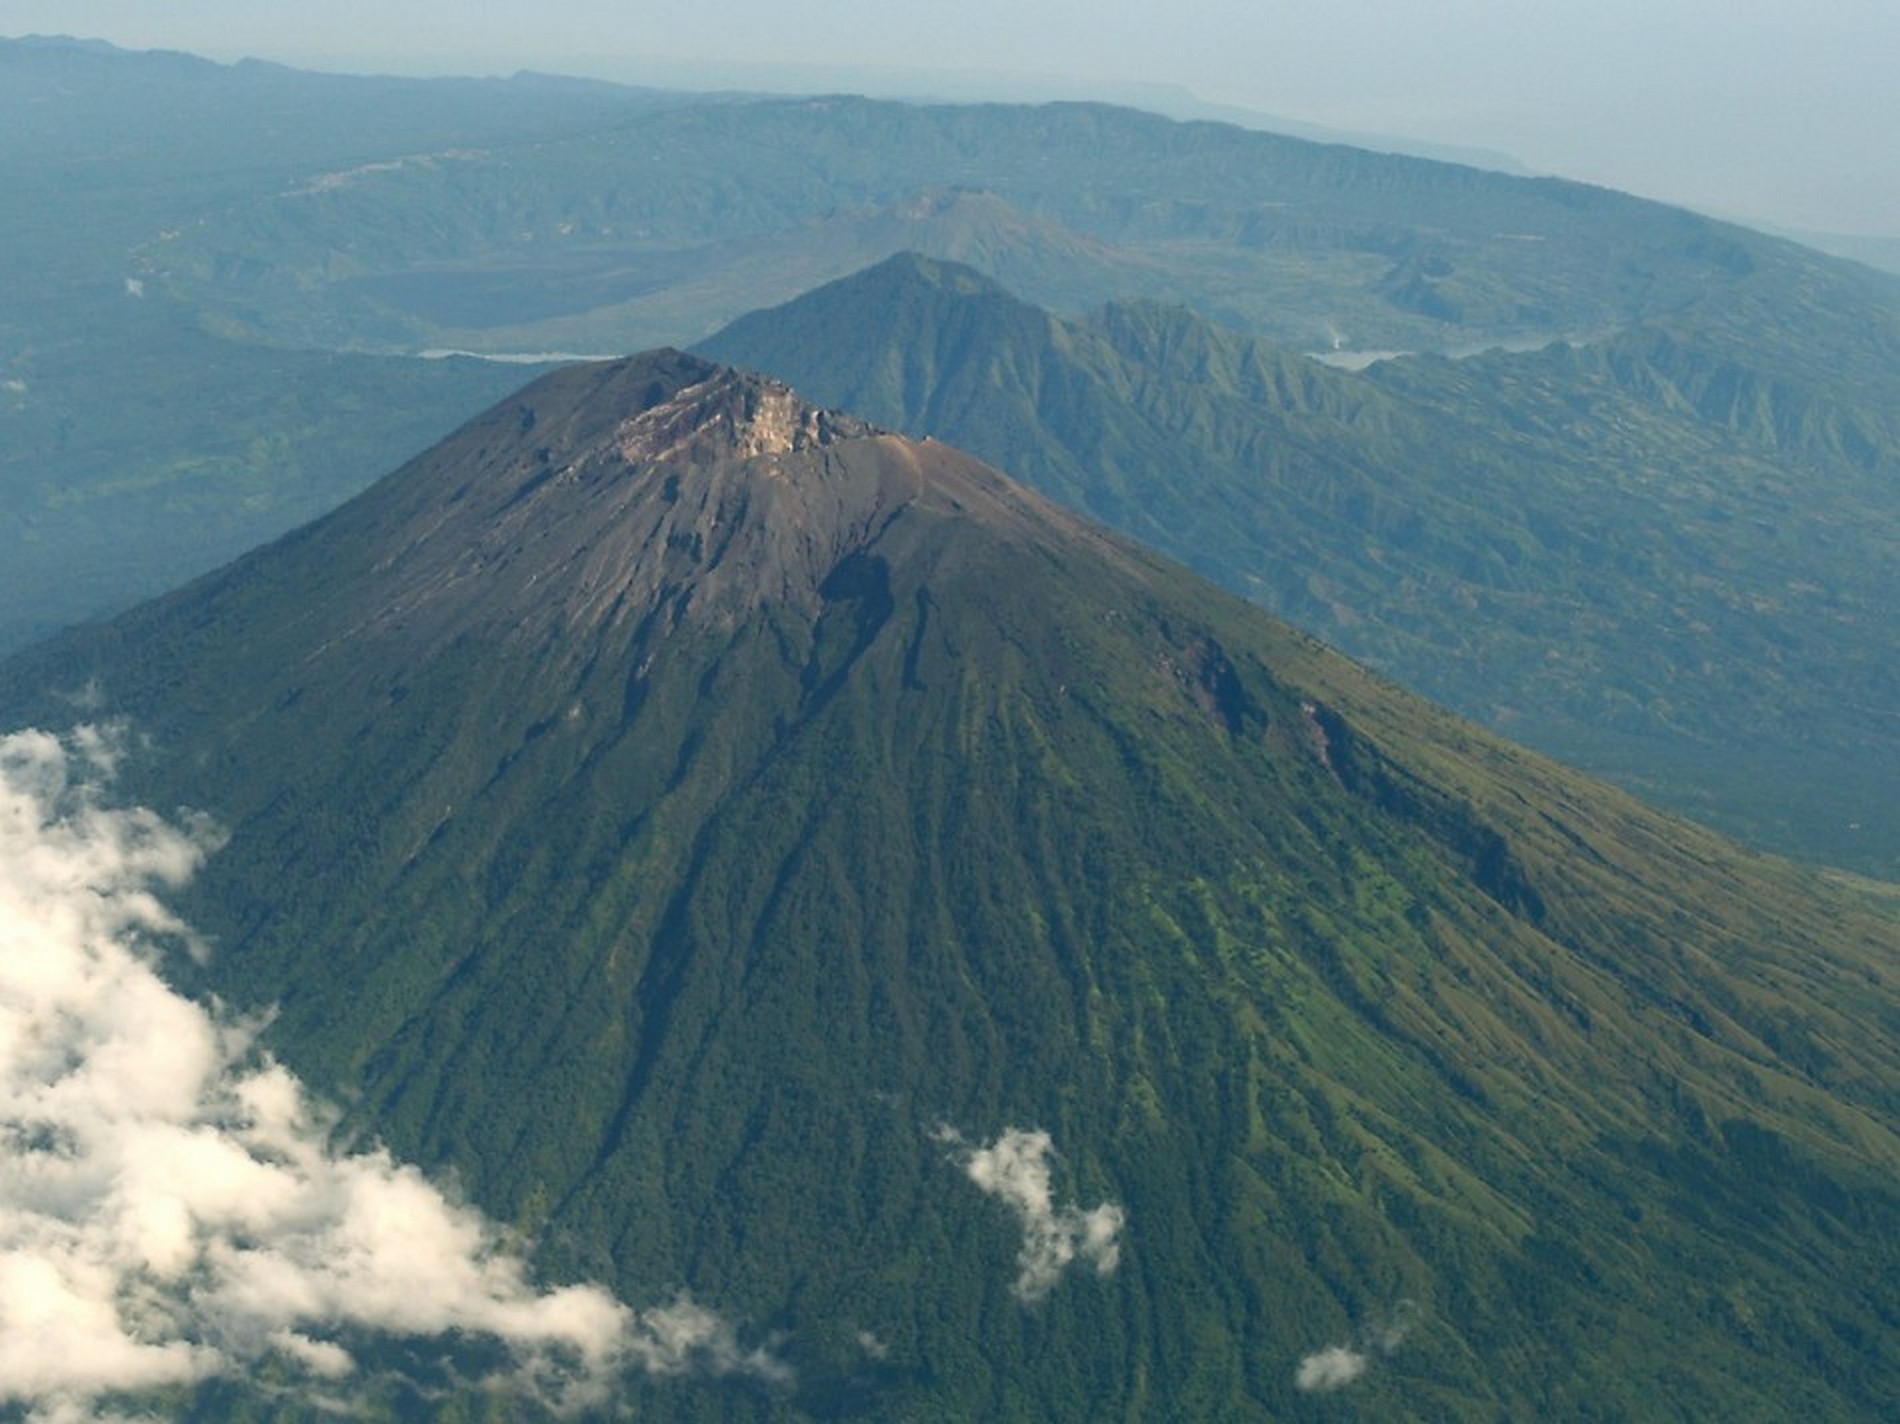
[[1015, 1169], [170, 1209], [1335, 1367]]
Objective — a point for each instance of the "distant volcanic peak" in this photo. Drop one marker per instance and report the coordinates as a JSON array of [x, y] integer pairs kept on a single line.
[[731, 416]]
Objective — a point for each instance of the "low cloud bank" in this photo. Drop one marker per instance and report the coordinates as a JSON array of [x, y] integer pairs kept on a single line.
[[1015, 1169], [170, 1208]]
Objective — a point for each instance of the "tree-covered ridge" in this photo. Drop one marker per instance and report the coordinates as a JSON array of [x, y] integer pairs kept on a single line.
[[685, 935]]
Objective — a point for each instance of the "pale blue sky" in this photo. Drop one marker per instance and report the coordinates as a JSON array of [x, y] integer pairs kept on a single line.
[[1781, 110]]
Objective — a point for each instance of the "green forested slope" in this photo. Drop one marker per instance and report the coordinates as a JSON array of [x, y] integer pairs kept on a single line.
[[674, 840]]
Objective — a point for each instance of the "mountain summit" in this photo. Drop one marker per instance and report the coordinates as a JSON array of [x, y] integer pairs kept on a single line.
[[557, 520], [659, 486], [770, 857]]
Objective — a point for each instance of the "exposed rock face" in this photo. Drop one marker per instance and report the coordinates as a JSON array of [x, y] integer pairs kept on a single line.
[[661, 483], [731, 416]]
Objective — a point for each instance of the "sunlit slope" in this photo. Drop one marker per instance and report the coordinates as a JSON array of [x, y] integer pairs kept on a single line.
[[673, 806]]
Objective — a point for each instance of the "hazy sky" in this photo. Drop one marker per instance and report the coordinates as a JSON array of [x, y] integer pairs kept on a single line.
[[1781, 110]]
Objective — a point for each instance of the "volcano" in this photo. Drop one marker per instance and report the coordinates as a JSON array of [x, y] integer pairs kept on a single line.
[[763, 854]]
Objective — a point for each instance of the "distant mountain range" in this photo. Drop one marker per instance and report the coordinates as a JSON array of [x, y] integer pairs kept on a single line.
[[676, 219], [763, 854]]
